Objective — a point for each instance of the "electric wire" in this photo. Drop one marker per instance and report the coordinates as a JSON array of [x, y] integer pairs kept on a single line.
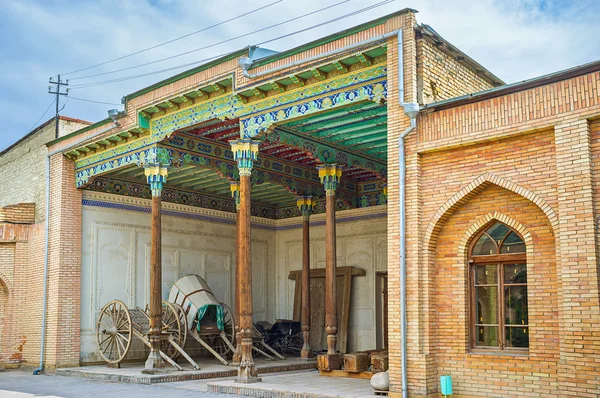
[[172, 40], [117, 80], [211, 45], [95, 102], [41, 117]]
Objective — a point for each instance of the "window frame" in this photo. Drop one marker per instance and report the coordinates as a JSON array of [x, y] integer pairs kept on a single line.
[[501, 260]]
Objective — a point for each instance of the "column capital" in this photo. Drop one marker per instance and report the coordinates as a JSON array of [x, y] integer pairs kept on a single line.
[[330, 175], [235, 194], [245, 152], [156, 173], [306, 204]]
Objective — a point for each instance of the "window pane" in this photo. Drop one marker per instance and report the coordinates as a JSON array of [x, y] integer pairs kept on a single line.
[[515, 273], [487, 336], [484, 246], [486, 274], [515, 305], [513, 244], [498, 231], [517, 337], [487, 305]]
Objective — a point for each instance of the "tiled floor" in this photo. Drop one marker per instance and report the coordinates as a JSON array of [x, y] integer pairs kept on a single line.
[[302, 384]]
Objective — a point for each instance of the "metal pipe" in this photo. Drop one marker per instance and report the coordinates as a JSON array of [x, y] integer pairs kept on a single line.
[[40, 368], [245, 62], [411, 110]]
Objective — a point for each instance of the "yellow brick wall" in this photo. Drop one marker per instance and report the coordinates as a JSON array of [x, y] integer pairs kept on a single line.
[[441, 76], [532, 157]]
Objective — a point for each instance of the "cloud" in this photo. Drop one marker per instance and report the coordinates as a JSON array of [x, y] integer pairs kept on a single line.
[[516, 40]]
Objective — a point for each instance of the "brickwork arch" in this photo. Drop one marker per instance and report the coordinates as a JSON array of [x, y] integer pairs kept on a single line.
[[472, 189], [481, 222]]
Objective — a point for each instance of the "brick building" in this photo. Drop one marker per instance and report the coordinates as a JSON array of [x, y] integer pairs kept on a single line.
[[499, 190]]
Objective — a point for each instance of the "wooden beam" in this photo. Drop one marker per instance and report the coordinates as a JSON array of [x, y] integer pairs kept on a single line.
[[298, 80], [318, 74], [365, 59], [340, 67]]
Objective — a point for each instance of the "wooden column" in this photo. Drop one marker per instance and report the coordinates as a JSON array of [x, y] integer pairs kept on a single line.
[[330, 175], [306, 205], [156, 175], [235, 193], [245, 152]]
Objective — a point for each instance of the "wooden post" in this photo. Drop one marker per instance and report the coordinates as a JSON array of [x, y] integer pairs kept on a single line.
[[306, 205], [330, 175], [156, 174], [245, 152], [237, 355]]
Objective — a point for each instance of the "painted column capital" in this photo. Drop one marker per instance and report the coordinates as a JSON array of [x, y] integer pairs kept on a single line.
[[245, 152], [235, 194], [330, 175], [306, 204], [156, 173]]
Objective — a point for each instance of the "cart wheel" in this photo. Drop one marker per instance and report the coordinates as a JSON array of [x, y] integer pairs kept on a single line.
[[114, 331], [171, 324], [184, 330], [218, 344]]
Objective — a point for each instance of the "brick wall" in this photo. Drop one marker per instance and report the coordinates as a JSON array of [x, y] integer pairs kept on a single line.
[[441, 76], [21, 213], [530, 159], [23, 166]]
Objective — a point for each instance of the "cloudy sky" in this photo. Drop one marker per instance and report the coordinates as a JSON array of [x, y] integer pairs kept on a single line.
[[515, 39]]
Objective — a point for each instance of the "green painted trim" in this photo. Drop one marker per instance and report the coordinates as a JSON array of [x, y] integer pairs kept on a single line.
[[329, 39], [80, 131], [186, 73]]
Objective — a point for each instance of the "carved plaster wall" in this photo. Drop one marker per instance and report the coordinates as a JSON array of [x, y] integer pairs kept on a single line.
[[116, 252]]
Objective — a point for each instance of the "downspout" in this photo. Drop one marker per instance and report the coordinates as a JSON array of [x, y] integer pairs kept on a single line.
[[411, 110], [245, 62], [40, 368]]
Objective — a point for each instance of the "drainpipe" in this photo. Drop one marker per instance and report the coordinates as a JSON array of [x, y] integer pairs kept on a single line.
[[245, 62], [411, 110], [40, 368]]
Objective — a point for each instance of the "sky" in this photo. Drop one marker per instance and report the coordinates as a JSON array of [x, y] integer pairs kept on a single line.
[[514, 39]]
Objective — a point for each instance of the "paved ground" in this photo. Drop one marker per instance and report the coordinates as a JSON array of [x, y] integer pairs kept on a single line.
[[16, 384]]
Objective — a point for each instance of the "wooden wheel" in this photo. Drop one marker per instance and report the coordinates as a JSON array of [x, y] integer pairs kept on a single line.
[[184, 331], [171, 325], [114, 331], [221, 347]]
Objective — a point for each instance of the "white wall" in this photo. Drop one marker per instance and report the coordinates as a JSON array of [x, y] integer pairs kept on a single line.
[[360, 243], [116, 251]]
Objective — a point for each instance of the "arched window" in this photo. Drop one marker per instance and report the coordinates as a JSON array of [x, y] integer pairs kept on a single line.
[[498, 289]]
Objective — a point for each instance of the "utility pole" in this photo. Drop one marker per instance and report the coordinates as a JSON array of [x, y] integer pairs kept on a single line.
[[59, 83]]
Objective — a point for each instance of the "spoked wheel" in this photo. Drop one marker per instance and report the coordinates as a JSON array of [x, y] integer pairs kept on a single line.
[[218, 344], [114, 331], [171, 325], [184, 330]]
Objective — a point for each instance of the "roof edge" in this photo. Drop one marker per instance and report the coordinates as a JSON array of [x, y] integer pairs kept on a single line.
[[495, 80], [186, 73], [328, 39], [39, 128], [80, 131], [539, 81]]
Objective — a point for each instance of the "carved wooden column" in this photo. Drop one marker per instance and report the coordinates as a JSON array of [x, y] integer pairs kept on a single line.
[[156, 174], [306, 204], [245, 152], [235, 193], [330, 175]]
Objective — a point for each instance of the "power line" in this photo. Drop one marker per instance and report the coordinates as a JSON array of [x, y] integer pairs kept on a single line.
[[95, 102], [173, 40], [41, 117], [93, 84], [211, 45]]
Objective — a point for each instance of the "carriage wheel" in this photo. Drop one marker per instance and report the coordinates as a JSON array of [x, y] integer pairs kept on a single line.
[[229, 328], [114, 331], [184, 331], [171, 324]]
